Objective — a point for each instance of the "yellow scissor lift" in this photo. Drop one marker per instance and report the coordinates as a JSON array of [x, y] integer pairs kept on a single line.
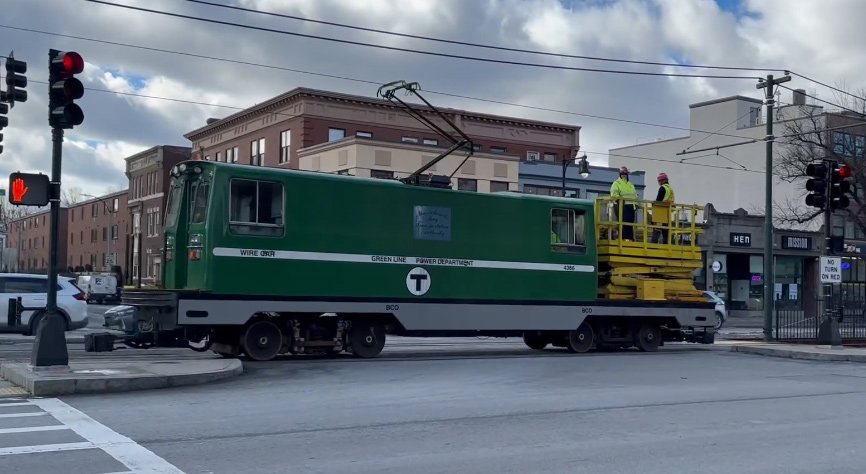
[[640, 269]]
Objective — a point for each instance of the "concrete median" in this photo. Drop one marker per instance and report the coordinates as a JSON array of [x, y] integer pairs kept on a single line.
[[117, 376]]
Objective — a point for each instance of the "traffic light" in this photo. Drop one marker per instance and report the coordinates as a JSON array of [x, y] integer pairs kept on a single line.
[[64, 88], [840, 186], [28, 189], [4, 120], [16, 82], [817, 185]]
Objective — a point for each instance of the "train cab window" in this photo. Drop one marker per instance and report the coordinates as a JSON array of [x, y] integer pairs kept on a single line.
[[199, 204], [256, 207], [567, 230]]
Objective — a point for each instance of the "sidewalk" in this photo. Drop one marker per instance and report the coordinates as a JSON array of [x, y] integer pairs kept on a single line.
[[801, 351], [104, 376]]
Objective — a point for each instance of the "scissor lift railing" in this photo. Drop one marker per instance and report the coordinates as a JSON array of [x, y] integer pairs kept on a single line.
[[642, 267]]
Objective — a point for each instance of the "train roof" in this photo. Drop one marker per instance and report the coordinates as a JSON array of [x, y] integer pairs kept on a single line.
[[334, 177]]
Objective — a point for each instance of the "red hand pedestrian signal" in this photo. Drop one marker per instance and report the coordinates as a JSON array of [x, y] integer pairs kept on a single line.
[[19, 189], [29, 189]]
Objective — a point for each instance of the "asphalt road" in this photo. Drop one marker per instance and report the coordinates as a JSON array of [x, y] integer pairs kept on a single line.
[[481, 407]]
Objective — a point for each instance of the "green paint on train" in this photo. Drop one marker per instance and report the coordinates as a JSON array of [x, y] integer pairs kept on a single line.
[[246, 230]]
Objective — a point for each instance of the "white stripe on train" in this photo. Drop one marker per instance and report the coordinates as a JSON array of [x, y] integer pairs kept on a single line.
[[398, 260]]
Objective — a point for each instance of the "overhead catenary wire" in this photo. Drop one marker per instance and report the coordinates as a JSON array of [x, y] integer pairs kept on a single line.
[[366, 81], [146, 96], [417, 51], [476, 45]]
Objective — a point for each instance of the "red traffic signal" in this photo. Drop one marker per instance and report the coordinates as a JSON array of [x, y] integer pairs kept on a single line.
[[845, 171], [28, 189], [63, 88]]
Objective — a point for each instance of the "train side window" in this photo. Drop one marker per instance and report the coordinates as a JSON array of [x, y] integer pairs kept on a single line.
[[256, 207], [568, 230]]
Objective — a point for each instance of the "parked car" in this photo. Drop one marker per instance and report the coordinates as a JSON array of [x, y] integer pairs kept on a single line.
[[721, 312], [33, 291]]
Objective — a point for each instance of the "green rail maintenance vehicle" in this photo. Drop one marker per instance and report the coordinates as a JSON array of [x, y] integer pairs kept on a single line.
[[264, 261]]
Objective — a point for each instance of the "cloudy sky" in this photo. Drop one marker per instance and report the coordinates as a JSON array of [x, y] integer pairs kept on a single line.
[[821, 39]]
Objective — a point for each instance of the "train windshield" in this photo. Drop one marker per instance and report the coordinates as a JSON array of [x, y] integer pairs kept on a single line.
[[175, 195]]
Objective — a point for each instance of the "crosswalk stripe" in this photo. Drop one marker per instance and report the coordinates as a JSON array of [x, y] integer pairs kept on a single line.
[[46, 448], [18, 415], [31, 429]]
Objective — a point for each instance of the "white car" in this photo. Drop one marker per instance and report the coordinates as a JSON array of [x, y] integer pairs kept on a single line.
[[721, 312], [33, 291]]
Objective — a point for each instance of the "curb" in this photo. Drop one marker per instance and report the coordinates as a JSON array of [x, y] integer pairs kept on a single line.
[[89, 379], [797, 354]]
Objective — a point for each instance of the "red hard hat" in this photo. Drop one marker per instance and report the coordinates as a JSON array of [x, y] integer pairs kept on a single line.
[[623, 170], [663, 176]]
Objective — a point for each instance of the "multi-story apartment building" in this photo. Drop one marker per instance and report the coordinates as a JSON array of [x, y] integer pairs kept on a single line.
[[96, 229], [148, 173], [27, 240], [275, 132]]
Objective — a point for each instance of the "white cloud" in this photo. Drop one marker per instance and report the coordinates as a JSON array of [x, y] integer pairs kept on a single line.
[[815, 39]]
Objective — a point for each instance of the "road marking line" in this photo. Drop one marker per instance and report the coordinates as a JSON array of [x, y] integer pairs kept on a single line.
[[46, 448], [30, 429], [132, 455], [16, 415], [14, 404]]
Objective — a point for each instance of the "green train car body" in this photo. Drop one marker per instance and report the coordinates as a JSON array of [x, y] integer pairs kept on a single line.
[[246, 243]]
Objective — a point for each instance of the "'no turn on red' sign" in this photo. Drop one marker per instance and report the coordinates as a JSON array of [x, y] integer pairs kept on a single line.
[[831, 270]]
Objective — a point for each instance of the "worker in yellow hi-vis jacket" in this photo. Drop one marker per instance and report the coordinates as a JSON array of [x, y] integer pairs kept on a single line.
[[622, 189], [662, 210]]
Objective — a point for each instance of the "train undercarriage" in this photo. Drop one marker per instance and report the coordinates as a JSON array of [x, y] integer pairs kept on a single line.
[[268, 335]]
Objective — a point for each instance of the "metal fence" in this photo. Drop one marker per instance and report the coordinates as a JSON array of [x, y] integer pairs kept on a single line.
[[800, 323]]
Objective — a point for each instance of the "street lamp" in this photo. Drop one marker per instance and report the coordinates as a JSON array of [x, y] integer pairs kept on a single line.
[[110, 227], [582, 164]]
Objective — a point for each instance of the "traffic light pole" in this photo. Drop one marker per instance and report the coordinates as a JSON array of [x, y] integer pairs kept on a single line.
[[828, 330], [50, 345]]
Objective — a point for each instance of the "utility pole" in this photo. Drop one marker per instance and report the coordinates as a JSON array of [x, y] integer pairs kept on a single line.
[[769, 260]]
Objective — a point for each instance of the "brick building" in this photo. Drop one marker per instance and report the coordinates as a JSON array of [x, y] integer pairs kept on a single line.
[[148, 173], [96, 229], [273, 132], [27, 242]]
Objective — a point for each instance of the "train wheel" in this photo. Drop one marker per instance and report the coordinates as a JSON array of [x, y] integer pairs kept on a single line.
[[580, 340], [649, 337], [262, 340], [366, 339], [535, 340]]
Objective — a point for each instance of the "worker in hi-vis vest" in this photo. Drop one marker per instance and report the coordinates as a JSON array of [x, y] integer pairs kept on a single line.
[[623, 190], [662, 210]]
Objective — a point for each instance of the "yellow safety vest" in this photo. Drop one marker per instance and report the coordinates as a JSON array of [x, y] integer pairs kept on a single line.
[[623, 189], [669, 194]]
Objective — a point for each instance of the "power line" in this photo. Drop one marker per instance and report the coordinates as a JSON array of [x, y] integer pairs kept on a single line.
[[826, 85], [474, 45], [365, 81], [673, 161], [146, 96], [416, 51], [822, 100]]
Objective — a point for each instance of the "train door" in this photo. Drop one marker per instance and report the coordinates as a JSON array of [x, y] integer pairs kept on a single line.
[[175, 235]]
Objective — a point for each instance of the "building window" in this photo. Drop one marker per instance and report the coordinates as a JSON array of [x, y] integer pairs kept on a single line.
[[464, 184], [219, 156], [285, 145], [532, 156], [336, 134], [498, 186], [409, 140], [114, 232], [550, 157], [381, 174], [567, 230], [361, 134], [115, 205], [257, 152], [498, 149], [256, 207], [542, 190], [431, 141], [476, 147], [232, 155]]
